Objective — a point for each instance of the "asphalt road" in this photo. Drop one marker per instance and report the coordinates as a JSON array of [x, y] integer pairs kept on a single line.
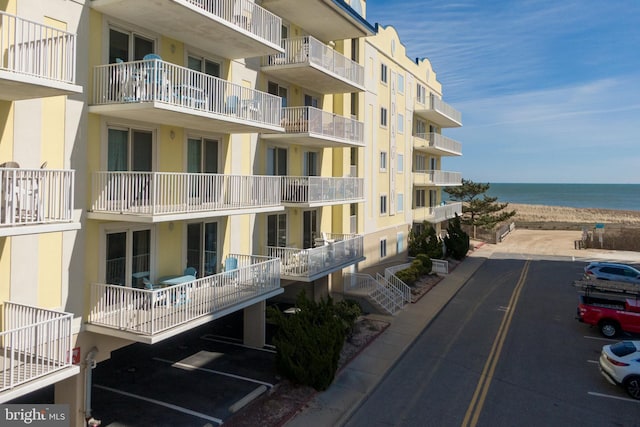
[[506, 351]]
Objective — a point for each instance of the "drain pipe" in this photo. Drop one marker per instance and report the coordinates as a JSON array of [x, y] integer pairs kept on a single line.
[[90, 363]]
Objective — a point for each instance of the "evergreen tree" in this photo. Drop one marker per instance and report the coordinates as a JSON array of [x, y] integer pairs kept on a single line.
[[456, 241], [479, 211]]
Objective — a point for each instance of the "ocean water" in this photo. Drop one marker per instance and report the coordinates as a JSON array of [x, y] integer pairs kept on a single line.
[[602, 196]]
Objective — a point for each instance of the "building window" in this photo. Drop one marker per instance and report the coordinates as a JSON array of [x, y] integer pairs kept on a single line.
[[383, 161], [420, 199], [400, 83], [277, 230], [420, 163], [204, 65], [276, 161], [383, 248], [421, 93], [399, 243], [277, 90], [400, 202], [127, 256], [128, 46], [400, 163], [400, 123], [383, 73], [129, 150], [383, 204], [383, 116]]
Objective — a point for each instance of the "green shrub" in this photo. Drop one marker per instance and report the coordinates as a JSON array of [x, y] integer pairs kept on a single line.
[[409, 275], [457, 241], [309, 342], [425, 241], [427, 264], [348, 311]]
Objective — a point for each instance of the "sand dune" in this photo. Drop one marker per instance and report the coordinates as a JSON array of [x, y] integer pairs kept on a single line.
[[542, 213]]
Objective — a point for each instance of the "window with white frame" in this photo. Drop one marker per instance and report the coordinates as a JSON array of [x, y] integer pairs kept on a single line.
[[127, 256], [400, 168], [128, 46], [400, 202], [420, 163], [420, 199], [400, 83], [421, 129], [421, 93], [383, 248], [383, 204], [383, 161], [399, 242], [129, 149], [383, 116], [277, 230], [383, 73], [400, 123]]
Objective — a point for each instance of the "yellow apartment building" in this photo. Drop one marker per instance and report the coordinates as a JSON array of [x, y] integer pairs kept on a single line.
[[405, 115], [166, 164]]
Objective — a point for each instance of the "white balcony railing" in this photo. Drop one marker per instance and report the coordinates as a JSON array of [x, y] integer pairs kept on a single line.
[[437, 177], [315, 121], [245, 14], [156, 193], [435, 214], [36, 196], [155, 80], [438, 141], [35, 342], [37, 50], [339, 250], [149, 312], [318, 189], [308, 50]]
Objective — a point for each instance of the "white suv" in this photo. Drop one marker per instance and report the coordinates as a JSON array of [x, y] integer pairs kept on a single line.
[[620, 365], [612, 271]]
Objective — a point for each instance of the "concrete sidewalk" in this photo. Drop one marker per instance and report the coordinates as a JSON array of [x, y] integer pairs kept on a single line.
[[334, 406]]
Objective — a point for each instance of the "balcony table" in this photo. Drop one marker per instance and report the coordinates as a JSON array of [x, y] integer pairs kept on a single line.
[[170, 281]]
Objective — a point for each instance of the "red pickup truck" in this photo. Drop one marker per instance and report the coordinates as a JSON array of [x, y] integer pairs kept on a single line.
[[611, 316]]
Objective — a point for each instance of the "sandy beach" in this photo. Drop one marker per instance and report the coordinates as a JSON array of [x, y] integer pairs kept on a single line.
[[541, 213]]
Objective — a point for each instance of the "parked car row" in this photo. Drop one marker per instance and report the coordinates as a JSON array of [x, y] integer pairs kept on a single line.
[[610, 300]]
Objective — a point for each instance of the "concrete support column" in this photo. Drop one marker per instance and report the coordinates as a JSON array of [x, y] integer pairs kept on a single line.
[[321, 288], [71, 392], [254, 334]]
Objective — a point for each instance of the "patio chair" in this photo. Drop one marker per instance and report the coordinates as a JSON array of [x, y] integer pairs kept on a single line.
[[231, 270], [232, 104], [156, 78], [157, 298], [190, 271]]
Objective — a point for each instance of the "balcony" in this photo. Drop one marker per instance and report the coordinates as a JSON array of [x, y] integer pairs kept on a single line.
[[325, 19], [309, 63], [436, 178], [36, 349], [313, 191], [37, 60], [437, 144], [437, 111], [150, 316], [436, 214], [230, 28], [156, 91], [313, 127], [306, 265], [36, 201], [152, 197]]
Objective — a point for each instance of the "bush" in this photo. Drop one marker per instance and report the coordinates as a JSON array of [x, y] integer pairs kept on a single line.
[[457, 241], [427, 264], [408, 275], [425, 242], [308, 343]]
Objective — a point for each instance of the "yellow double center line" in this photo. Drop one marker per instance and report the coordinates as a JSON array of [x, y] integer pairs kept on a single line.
[[479, 396]]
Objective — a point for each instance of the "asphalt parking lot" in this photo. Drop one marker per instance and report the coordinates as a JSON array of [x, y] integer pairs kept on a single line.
[[196, 379]]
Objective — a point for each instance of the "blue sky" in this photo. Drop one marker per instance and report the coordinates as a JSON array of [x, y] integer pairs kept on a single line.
[[549, 90]]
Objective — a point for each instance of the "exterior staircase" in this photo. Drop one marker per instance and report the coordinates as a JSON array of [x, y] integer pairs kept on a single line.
[[387, 293]]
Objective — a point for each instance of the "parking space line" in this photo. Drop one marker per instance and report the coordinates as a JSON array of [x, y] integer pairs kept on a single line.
[[197, 368], [208, 337], [610, 396], [600, 338], [160, 403]]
